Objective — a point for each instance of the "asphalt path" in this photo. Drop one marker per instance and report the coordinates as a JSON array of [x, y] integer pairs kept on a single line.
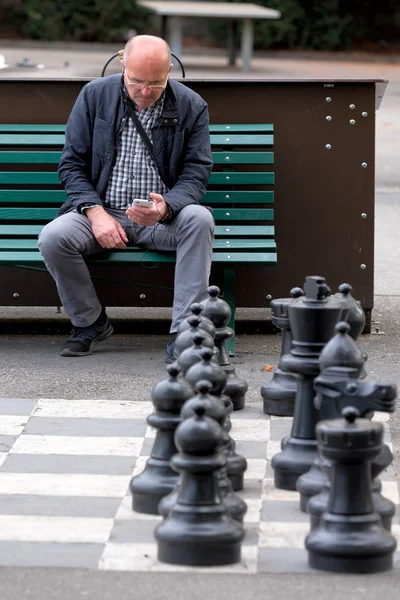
[[127, 365]]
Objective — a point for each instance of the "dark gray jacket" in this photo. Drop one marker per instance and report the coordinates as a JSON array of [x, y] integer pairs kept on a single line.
[[181, 144]]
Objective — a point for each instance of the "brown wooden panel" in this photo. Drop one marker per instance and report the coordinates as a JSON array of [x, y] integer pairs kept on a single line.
[[320, 194]]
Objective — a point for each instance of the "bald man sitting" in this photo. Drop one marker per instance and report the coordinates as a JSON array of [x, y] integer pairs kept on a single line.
[[105, 164]]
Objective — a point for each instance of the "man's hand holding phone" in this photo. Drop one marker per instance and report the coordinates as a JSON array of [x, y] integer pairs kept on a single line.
[[147, 212]]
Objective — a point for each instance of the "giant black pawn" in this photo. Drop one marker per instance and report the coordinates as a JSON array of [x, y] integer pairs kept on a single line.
[[219, 312], [312, 319], [193, 354], [216, 410], [185, 338], [350, 537], [158, 479], [196, 309], [207, 369], [199, 530], [279, 394]]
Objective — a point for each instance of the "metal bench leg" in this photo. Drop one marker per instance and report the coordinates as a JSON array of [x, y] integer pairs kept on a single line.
[[229, 297]]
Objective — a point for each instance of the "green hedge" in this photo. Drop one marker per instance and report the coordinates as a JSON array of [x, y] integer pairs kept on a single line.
[[74, 20], [319, 24], [314, 24]]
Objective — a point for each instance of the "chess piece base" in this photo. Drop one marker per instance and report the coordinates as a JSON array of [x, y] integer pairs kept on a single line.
[[146, 504], [237, 481], [295, 459], [149, 487], [279, 395], [197, 554], [350, 544], [350, 565]]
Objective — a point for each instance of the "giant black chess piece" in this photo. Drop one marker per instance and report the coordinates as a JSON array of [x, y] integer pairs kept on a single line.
[[337, 387], [158, 479], [340, 351], [209, 370], [312, 320], [199, 530], [196, 309], [216, 410], [356, 315], [219, 312], [193, 354], [350, 537], [185, 338], [279, 394]]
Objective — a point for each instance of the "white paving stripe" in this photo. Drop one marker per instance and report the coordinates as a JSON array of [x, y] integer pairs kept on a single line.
[[143, 557], [108, 486], [251, 430], [77, 445], [255, 468], [54, 529], [12, 424], [96, 409], [277, 534], [390, 490]]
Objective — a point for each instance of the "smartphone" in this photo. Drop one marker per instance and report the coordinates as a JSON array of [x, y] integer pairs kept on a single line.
[[142, 202]]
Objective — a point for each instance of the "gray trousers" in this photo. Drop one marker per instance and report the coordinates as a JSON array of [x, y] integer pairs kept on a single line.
[[65, 241]]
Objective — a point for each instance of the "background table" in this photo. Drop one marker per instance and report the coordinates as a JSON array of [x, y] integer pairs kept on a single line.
[[172, 14]]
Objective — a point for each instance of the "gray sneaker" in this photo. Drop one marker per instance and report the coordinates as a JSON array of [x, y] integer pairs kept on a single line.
[[83, 339]]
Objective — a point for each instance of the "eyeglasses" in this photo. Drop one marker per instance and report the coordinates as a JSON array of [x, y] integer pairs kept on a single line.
[[141, 86]]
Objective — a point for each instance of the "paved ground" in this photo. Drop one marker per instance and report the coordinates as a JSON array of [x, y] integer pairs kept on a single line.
[[128, 366]]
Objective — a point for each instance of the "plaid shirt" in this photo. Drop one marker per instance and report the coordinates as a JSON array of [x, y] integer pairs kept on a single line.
[[135, 174]]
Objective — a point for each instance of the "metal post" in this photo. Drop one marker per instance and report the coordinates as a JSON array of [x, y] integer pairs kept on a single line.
[[247, 44], [174, 28]]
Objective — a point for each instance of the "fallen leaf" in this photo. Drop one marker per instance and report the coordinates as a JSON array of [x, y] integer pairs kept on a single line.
[[269, 368]]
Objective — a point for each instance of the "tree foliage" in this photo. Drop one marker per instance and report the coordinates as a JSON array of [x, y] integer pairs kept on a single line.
[[76, 20], [308, 24], [322, 24]]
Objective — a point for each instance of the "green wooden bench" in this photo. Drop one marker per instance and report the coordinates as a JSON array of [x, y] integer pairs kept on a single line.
[[240, 191]]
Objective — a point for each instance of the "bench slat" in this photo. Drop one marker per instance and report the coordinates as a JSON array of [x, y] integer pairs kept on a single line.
[[241, 127], [241, 158], [56, 127], [27, 214], [57, 197], [243, 214], [52, 139], [32, 178], [240, 140], [18, 230], [221, 214], [140, 256], [218, 244], [31, 128], [31, 157], [224, 178], [21, 139], [236, 197], [53, 157], [220, 230], [33, 196], [239, 178]]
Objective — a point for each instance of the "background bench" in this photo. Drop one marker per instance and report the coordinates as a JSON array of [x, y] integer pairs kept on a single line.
[[240, 192]]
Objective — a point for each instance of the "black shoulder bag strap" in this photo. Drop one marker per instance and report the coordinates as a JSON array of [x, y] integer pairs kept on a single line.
[[140, 129]]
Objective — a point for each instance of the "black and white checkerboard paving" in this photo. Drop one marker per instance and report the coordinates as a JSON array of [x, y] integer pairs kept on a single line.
[[65, 467]]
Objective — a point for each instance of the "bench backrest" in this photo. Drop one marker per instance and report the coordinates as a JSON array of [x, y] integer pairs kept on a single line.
[[240, 187]]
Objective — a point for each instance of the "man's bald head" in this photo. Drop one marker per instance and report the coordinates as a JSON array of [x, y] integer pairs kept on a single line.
[[146, 66], [148, 49]]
